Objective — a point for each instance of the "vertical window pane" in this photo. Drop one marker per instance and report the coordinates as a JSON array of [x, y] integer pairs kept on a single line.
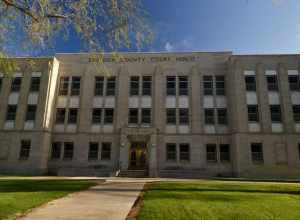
[[257, 152], [171, 116], [184, 152], [222, 116], [209, 116], [171, 85], [68, 151], [183, 85], [253, 114], [294, 83], [133, 116], [11, 112], [60, 115], [111, 86], [146, 116], [93, 151], [211, 152], [25, 149], [108, 116], [171, 152], [106, 151], [16, 84], [250, 83], [72, 119], [296, 112], [147, 85], [75, 87], [208, 85], [224, 152], [99, 85], [184, 116], [63, 85], [56, 150], [31, 112], [35, 84], [220, 85], [134, 85], [272, 83], [97, 116], [275, 113]]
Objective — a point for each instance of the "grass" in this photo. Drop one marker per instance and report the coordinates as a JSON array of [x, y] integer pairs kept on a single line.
[[18, 196], [221, 200]]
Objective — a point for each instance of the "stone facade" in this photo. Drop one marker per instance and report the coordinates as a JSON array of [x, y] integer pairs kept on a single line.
[[173, 114]]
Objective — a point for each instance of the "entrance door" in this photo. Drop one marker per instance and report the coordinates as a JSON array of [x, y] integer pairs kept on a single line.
[[138, 156]]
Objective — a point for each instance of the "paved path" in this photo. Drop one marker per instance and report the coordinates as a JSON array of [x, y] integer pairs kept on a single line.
[[107, 201]]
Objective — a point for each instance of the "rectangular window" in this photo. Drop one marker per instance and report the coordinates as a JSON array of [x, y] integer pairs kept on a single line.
[[272, 83], [211, 152], [257, 153], [208, 85], [16, 84], [250, 83], [35, 84], [11, 112], [222, 116], [106, 151], [220, 85], [133, 116], [146, 116], [93, 151], [97, 116], [60, 115], [75, 86], [224, 152], [171, 152], [209, 116], [25, 149], [171, 116], [184, 152], [147, 86], [56, 150], [72, 118], [63, 85], [183, 85], [171, 85], [294, 82], [108, 116], [296, 112], [134, 85], [275, 113], [31, 112], [253, 114], [111, 86], [68, 150], [99, 85], [184, 116]]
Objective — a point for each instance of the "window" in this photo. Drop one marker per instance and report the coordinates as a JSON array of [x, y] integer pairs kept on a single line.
[[56, 150], [209, 116], [294, 82], [208, 85], [183, 85], [75, 87], [16, 84], [146, 116], [171, 152], [111, 86], [31, 112], [97, 114], [184, 152], [171, 116], [106, 151], [171, 85], [253, 115], [211, 152], [296, 111], [184, 116], [222, 116], [134, 85], [257, 153], [275, 113], [224, 152], [72, 118], [11, 112], [99, 85], [250, 83], [93, 151], [147, 85], [35, 84], [133, 116], [220, 85], [25, 149], [68, 150], [63, 85], [272, 83], [108, 116], [60, 115]]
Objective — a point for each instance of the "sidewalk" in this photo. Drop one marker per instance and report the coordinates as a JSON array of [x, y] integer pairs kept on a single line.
[[108, 201]]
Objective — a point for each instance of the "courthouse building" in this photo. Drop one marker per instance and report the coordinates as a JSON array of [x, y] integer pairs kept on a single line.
[[156, 114]]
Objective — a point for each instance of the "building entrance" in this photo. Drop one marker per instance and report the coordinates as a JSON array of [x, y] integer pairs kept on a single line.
[[138, 156]]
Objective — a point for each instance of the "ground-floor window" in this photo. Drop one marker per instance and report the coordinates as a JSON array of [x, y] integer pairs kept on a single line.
[[257, 153], [56, 150], [211, 152], [224, 152], [171, 152], [68, 150], [93, 151], [106, 151], [25, 149], [184, 152]]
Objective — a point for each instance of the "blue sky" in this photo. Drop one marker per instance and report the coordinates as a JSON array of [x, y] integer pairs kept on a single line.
[[241, 26]]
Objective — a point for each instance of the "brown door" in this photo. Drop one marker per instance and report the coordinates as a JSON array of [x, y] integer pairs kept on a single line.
[[138, 156]]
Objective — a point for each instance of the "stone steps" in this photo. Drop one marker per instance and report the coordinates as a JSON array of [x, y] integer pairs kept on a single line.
[[134, 173]]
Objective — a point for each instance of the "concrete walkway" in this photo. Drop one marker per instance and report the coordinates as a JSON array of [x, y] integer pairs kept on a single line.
[[107, 201]]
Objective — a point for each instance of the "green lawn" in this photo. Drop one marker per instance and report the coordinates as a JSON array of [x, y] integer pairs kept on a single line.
[[17, 196], [221, 200]]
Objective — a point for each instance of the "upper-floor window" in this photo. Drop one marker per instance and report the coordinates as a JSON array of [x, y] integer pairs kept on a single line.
[[208, 85], [253, 114], [75, 86], [60, 115], [111, 86], [171, 152], [147, 86], [224, 152], [183, 116], [184, 152], [211, 152], [250, 83], [294, 82], [133, 116], [25, 149], [222, 116], [93, 151], [183, 85], [31, 112], [209, 116], [11, 112], [171, 85], [35, 84], [72, 117], [68, 150], [99, 85], [16, 84], [97, 116], [257, 152], [275, 113], [272, 82], [106, 151], [108, 116], [63, 85], [134, 85], [56, 150], [171, 116], [146, 116], [220, 85], [296, 112]]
